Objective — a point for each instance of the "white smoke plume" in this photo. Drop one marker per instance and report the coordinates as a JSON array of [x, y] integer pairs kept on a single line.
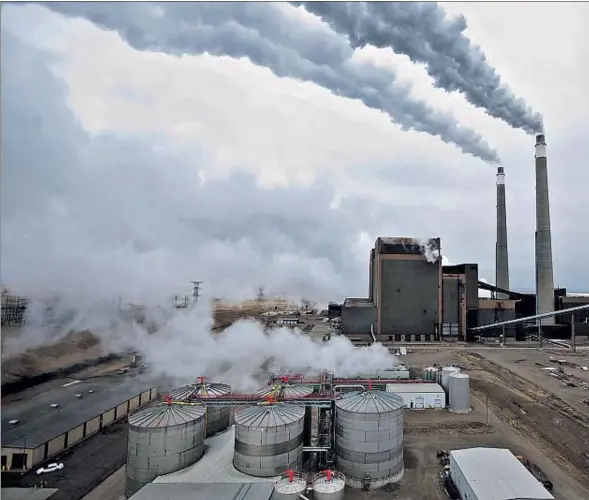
[[430, 250], [178, 344]]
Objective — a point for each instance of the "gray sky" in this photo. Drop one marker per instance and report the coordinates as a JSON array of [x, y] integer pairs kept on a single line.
[[130, 172]]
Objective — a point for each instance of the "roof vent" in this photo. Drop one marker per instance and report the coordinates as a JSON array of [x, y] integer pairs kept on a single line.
[[54, 405], [78, 395], [13, 422], [91, 391]]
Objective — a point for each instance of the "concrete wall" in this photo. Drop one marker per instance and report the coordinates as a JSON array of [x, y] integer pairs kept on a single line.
[[144, 398], [76, 434], [371, 276], [410, 295], [357, 319], [92, 426], [134, 403], [122, 410], [56, 445], [108, 417]]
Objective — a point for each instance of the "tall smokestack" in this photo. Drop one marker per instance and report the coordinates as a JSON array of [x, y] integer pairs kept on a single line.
[[501, 256], [544, 272]]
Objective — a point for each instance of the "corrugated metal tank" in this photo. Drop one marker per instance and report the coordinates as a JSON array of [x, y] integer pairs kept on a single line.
[[446, 372], [369, 438], [217, 418], [163, 439], [459, 393], [269, 439], [286, 391], [290, 487], [329, 485]]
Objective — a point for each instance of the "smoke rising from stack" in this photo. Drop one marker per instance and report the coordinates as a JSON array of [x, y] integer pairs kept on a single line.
[[544, 269], [501, 252], [268, 37], [182, 347], [422, 32]]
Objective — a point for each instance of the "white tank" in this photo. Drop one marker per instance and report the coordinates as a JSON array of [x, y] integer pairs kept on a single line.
[[329, 485], [459, 393], [430, 373], [290, 486], [446, 372]]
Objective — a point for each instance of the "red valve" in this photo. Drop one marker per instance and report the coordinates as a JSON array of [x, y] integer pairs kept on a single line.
[[329, 475], [202, 379], [169, 399], [270, 399], [284, 379], [370, 385], [290, 473]]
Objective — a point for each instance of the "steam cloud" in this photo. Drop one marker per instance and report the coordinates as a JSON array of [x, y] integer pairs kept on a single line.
[[269, 37], [422, 32], [182, 347]]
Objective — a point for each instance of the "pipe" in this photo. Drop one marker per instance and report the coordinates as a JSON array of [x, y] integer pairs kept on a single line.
[[303, 497], [543, 257], [348, 386], [372, 333], [501, 253]]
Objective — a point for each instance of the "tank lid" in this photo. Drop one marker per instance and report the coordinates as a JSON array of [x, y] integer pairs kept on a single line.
[[329, 482], [459, 375], [450, 369], [204, 390], [269, 415], [286, 391], [291, 482], [167, 414], [370, 402]]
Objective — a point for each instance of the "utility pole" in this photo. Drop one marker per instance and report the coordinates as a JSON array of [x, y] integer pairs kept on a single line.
[[196, 290]]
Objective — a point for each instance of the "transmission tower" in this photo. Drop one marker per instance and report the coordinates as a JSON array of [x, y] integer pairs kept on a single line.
[[260, 298], [196, 290]]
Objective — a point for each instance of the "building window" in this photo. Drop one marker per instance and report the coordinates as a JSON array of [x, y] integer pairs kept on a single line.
[[408, 338], [4, 462], [397, 338], [427, 338]]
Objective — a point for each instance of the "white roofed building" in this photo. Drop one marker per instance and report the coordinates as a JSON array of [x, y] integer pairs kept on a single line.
[[493, 474]]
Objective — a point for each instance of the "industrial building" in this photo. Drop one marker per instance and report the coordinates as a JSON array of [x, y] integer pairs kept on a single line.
[[493, 474], [36, 429], [419, 396]]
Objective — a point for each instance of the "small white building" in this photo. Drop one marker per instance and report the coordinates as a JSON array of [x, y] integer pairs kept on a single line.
[[420, 396], [493, 474]]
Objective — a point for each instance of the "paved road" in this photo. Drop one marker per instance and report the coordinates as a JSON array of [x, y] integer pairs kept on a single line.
[[112, 488]]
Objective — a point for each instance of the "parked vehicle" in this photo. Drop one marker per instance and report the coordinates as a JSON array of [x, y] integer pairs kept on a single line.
[[50, 468]]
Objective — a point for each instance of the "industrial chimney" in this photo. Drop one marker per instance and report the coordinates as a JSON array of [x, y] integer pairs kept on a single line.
[[501, 256], [544, 273]]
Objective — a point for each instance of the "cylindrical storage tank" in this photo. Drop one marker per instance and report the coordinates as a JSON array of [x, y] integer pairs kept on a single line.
[[163, 439], [446, 372], [329, 485], [430, 373], [290, 486], [218, 417], [459, 393], [269, 439], [288, 391], [369, 438]]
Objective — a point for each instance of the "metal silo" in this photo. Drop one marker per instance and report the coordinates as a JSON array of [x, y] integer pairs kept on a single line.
[[269, 439], [218, 418], [430, 373], [329, 485], [459, 393], [369, 438], [286, 391], [290, 486], [446, 372], [162, 439]]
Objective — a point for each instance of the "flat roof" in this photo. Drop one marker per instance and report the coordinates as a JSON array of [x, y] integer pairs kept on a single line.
[[496, 474], [193, 491], [417, 387], [357, 302], [216, 466], [27, 493], [39, 422]]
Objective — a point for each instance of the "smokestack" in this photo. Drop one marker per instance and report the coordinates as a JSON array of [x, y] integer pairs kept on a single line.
[[544, 273], [501, 256]]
